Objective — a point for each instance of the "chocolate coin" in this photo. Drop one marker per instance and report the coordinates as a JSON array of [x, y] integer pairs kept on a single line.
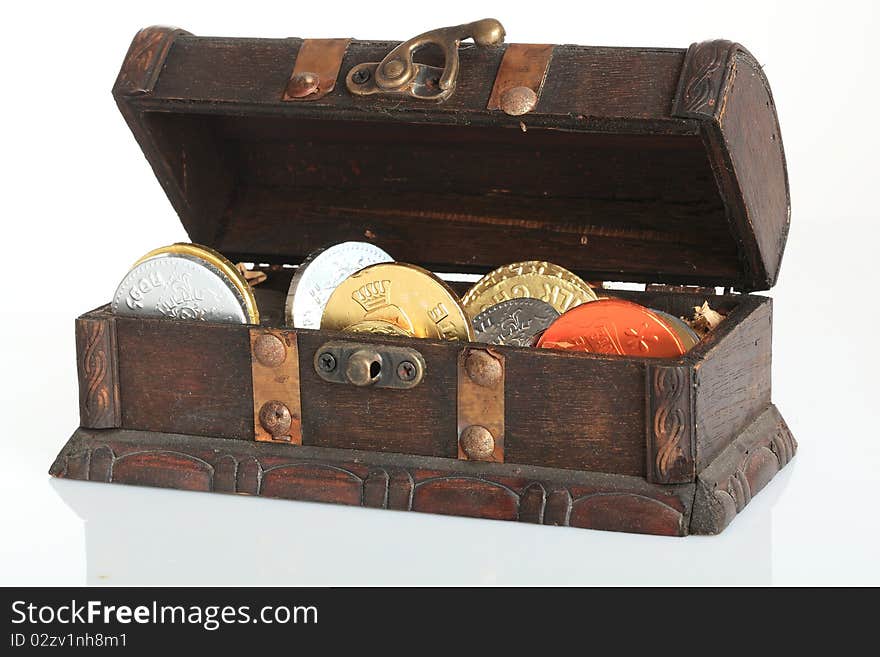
[[378, 327], [613, 326], [186, 282], [514, 322], [531, 279], [317, 277], [407, 296], [689, 337]]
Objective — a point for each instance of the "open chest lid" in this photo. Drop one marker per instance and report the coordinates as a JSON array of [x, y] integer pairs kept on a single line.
[[642, 165]]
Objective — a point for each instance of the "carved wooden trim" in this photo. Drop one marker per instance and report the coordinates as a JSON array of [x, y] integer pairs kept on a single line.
[[145, 58], [96, 366], [427, 484], [739, 473], [670, 440], [703, 79]]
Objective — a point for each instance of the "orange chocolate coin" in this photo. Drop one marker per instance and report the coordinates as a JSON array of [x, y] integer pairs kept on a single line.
[[613, 326]]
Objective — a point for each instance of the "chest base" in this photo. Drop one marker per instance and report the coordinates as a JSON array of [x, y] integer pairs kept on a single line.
[[400, 482]]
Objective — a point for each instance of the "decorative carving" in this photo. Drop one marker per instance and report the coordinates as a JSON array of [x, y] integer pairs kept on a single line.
[[205, 464], [145, 57], [739, 473], [702, 79], [532, 504], [558, 508], [670, 443], [783, 444], [96, 366]]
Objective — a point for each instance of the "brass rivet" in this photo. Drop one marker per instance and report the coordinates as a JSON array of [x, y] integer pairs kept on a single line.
[[393, 69], [270, 350], [275, 418], [517, 101], [482, 368], [303, 84], [477, 442]]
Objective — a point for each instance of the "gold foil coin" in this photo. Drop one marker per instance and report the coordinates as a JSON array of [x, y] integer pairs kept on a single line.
[[406, 296], [530, 279], [378, 327]]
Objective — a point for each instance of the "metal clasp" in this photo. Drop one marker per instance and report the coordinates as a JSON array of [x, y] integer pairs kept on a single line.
[[378, 365], [398, 74]]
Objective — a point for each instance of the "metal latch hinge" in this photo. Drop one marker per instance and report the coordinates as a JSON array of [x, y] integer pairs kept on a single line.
[[399, 75]]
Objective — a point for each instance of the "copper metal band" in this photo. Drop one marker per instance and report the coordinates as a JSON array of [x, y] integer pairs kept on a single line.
[[520, 77], [481, 405], [275, 372], [316, 69]]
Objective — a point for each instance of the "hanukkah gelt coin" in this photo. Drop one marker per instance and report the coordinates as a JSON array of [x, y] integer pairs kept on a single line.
[[186, 282], [317, 277], [514, 322], [689, 337], [407, 296], [531, 279], [378, 327], [613, 326]]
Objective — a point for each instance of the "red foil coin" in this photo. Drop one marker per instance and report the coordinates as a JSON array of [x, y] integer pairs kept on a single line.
[[613, 326]]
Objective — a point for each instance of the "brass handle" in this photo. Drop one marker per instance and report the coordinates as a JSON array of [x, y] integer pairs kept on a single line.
[[398, 74]]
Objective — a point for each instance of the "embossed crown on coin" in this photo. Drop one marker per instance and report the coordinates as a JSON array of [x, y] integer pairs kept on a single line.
[[373, 295]]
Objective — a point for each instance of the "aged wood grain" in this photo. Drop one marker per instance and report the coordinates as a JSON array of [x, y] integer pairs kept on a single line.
[[754, 142], [185, 377], [394, 481], [731, 377], [574, 411]]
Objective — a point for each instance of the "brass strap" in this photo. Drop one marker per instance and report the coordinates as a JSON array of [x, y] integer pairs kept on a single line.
[[316, 69], [481, 405], [520, 78], [275, 373]]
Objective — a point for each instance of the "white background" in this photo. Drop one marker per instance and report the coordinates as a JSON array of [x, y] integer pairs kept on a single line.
[[80, 204]]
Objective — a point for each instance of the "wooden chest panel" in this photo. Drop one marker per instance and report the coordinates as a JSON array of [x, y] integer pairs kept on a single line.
[[732, 382], [571, 412], [183, 377]]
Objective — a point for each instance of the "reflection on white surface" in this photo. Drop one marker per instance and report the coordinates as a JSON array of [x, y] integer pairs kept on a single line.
[[152, 536]]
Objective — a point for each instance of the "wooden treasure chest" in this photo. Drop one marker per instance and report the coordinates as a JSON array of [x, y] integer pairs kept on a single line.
[[653, 166]]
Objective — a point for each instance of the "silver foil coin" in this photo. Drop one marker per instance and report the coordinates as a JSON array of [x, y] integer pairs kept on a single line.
[[182, 287], [514, 322], [320, 274]]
